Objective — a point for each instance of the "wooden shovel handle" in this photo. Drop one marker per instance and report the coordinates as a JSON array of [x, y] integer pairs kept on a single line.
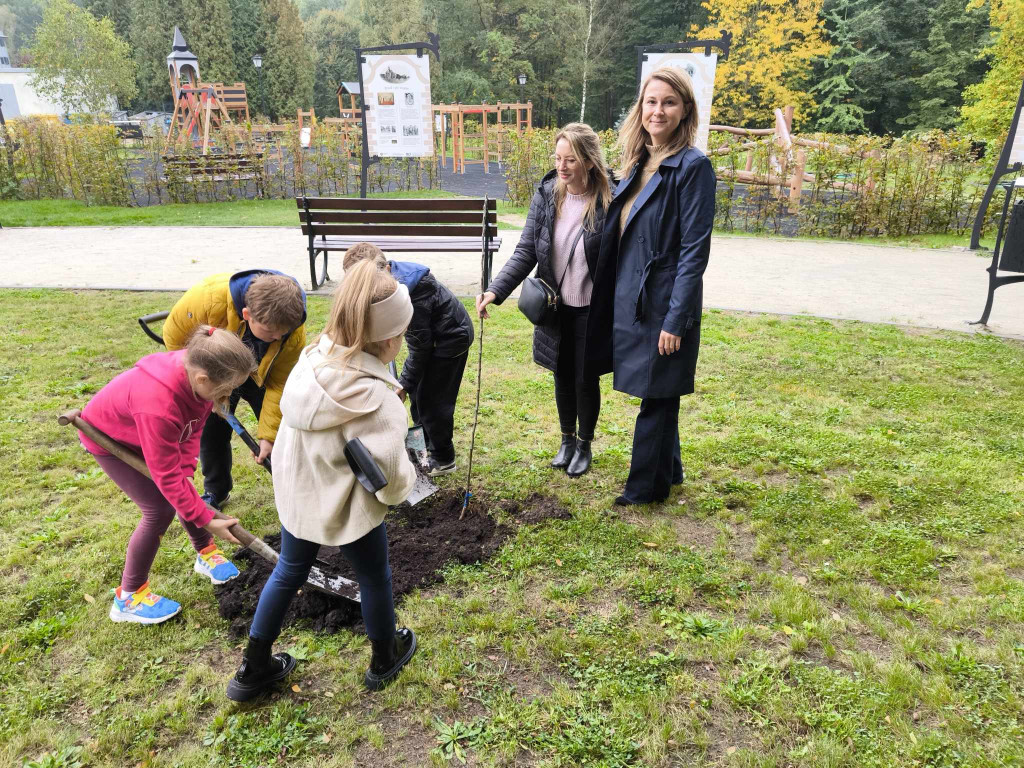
[[136, 462]]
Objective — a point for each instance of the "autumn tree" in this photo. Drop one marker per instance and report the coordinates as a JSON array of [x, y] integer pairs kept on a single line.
[[79, 60], [773, 46], [989, 105]]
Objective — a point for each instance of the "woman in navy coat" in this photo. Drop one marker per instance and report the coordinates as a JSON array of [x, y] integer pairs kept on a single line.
[[648, 284]]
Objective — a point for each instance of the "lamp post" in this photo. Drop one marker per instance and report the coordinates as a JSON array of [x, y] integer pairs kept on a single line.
[[522, 84], [257, 61]]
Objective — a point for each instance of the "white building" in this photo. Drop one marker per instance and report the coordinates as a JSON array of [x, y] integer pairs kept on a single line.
[[16, 92]]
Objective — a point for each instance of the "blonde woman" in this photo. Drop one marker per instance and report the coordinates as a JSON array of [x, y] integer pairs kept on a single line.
[[648, 283], [561, 239]]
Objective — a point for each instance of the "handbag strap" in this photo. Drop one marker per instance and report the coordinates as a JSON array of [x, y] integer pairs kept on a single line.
[[572, 252]]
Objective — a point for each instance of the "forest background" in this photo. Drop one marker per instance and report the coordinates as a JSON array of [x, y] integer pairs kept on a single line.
[[884, 67]]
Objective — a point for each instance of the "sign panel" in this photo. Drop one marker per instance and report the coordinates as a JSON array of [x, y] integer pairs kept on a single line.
[[701, 70], [396, 90], [1017, 144]]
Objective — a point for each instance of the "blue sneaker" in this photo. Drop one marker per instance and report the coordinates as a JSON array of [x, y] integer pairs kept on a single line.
[[143, 607], [211, 563]]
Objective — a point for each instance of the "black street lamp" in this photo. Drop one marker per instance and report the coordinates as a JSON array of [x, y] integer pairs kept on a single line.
[[522, 83], [257, 61]]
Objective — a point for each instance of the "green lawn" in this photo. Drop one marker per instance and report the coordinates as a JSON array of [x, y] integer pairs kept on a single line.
[[837, 583], [236, 213]]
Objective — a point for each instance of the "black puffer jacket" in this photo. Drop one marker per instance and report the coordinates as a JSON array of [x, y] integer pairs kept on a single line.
[[534, 250], [440, 325]]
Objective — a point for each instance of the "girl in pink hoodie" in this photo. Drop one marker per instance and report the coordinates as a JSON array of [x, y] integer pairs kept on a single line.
[[158, 409]]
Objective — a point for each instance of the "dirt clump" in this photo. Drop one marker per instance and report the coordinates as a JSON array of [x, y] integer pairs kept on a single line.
[[421, 541]]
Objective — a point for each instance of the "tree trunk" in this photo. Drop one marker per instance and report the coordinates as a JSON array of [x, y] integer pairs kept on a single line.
[[586, 56]]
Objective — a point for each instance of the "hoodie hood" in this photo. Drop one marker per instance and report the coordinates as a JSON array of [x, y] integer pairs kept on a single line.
[[239, 284], [408, 273], [321, 395], [167, 369]]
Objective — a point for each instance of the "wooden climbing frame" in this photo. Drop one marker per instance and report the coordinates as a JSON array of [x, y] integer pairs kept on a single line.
[[507, 117]]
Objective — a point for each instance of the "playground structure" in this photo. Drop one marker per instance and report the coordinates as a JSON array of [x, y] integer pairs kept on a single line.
[[787, 159], [198, 107], [450, 121]]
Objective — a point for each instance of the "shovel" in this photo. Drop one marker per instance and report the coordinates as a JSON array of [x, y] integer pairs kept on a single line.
[[322, 580], [416, 446]]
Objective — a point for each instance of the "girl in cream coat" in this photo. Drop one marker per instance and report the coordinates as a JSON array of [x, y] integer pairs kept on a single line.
[[338, 390]]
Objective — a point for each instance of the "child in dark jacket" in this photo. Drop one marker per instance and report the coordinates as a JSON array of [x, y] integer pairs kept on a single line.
[[438, 338]]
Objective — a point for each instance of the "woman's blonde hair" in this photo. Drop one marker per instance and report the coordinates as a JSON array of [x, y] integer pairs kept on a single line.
[[634, 138], [349, 322], [586, 147], [220, 354]]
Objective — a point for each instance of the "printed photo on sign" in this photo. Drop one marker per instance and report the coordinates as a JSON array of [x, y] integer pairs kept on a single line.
[[410, 130], [386, 99], [410, 99], [389, 129]]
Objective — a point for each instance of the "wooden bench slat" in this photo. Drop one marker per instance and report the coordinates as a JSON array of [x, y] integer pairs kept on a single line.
[[399, 204], [410, 231], [360, 217], [407, 245]]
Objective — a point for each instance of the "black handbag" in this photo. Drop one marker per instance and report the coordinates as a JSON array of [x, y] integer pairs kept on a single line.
[[538, 300]]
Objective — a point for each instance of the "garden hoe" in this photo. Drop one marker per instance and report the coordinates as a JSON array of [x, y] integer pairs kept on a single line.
[[319, 578]]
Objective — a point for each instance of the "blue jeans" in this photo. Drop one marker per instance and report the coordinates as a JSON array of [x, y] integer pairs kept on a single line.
[[369, 559]]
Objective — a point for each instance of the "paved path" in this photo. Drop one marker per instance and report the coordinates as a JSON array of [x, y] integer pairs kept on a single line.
[[929, 288]]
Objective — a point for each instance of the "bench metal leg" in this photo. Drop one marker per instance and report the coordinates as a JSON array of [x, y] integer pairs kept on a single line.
[[323, 277]]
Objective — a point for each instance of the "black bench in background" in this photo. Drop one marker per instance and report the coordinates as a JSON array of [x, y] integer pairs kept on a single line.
[[397, 225]]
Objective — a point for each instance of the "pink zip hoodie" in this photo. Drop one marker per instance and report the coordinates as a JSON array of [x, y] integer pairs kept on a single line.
[[151, 408]]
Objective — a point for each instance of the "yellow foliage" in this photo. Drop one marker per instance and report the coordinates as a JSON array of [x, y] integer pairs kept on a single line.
[[774, 43], [989, 105]]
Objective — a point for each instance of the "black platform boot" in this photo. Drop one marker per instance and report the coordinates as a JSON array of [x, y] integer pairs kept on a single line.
[[581, 459], [259, 671], [565, 453], [389, 656]]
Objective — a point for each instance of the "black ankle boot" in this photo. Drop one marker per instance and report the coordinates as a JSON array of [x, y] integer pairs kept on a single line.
[[565, 453], [389, 656], [259, 671], [580, 460]]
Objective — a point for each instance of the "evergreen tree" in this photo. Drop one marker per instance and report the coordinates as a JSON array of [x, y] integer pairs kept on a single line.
[[838, 111], [151, 34], [248, 37], [331, 38], [207, 29], [287, 66], [949, 64]]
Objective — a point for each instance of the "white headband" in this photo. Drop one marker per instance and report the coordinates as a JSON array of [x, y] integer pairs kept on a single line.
[[390, 317]]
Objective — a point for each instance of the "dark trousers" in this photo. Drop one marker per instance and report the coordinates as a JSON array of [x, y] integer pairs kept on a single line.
[[655, 465], [577, 398], [432, 403], [369, 559], [215, 442]]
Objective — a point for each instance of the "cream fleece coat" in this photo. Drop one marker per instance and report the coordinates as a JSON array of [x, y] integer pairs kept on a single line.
[[318, 498]]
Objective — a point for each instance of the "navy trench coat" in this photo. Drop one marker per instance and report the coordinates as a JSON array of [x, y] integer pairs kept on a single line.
[[651, 279]]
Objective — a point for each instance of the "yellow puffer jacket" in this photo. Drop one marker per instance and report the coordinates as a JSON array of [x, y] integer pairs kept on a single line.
[[210, 302]]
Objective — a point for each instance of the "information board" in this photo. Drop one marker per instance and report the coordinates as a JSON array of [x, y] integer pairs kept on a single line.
[[396, 91], [701, 70]]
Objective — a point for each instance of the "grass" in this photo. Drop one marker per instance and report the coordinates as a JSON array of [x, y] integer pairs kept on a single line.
[[837, 583], [235, 213]]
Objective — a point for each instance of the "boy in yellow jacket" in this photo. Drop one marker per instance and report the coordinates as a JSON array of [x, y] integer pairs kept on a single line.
[[267, 310]]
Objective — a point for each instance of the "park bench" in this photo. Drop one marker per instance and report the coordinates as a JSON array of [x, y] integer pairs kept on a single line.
[[397, 225], [225, 166]]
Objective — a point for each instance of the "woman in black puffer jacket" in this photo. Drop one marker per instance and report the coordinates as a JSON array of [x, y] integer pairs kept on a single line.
[[561, 239]]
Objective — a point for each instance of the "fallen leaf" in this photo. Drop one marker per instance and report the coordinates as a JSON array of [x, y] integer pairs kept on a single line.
[[449, 686], [558, 562], [296, 689], [801, 580], [329, 694], [788, 629], [89, 598], [916, 716], [836, 616], [913, 738], [327, 737], [4, 649], [888, 720], [730, 750], [651, 544], [826, 542]]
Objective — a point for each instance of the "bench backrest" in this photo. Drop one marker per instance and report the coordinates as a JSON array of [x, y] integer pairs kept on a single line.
[[380, 217]]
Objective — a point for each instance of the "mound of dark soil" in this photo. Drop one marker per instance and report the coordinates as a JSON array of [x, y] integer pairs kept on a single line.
[[421, 541]]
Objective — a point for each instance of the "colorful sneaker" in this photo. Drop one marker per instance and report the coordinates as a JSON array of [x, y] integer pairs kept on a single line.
[[436, 468], [211, 563], [142, 606]]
